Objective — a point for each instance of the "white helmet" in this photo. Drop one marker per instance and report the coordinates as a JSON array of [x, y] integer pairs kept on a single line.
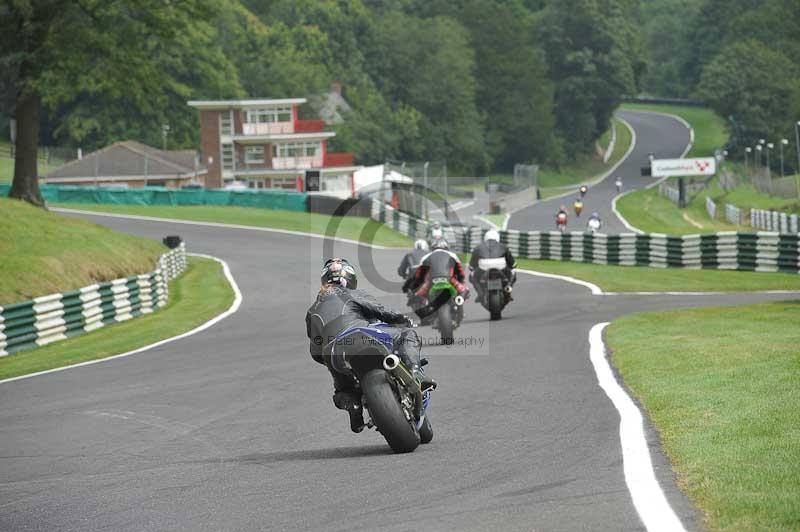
[[421, 244], [491, 234]]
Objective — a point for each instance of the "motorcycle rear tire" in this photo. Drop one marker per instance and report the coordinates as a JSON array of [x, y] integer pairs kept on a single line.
[[387, 414], [445, 322], [495, 306]]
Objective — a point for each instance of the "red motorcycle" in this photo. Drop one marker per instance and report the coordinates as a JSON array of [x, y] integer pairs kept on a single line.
[[561, 222]]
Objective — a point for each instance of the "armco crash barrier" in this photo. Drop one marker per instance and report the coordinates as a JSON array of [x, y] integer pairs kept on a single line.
[[763, 252], [265, 199], [56, 317]]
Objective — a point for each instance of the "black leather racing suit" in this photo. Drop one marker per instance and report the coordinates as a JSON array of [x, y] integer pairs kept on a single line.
[[337, 309], [408, 266], [490, 249]]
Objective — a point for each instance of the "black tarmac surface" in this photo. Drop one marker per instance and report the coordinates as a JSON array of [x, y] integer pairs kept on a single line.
[[234, 428]]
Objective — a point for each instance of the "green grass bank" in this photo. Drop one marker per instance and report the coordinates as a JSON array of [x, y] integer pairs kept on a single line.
[[198, 295], [721, 387], [43, 253]]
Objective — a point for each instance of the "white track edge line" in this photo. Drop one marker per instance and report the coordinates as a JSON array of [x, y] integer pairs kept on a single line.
[[224, 225], [779, 292], [648, 498], [232, 309], [596, 290]]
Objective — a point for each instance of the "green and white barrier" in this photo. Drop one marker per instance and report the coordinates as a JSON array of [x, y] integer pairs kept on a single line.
[[774, 221], [55, 317], [763, 252]]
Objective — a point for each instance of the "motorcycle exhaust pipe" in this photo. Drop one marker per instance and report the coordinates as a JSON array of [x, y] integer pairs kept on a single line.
[[459, 300], [390, 363], [508, 289]]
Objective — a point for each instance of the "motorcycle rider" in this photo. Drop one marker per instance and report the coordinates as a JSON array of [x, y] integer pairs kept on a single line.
[[594, 222], [578, 205], [412, 260], [561, 216], [490, 248], [583, 190], [440, 262], [618, 184], [435, 232], [340, 306]]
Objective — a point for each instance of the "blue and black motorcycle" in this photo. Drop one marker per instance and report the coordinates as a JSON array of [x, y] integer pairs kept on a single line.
[[391, 393]]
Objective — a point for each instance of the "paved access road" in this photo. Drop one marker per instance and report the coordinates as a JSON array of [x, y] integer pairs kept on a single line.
[[234, 429], [661, 135]]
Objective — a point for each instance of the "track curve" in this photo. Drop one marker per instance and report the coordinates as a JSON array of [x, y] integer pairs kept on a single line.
[[234, 429], [662, 135]]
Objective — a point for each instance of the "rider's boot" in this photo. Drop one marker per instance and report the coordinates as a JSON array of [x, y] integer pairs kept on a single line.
[[351, 402]]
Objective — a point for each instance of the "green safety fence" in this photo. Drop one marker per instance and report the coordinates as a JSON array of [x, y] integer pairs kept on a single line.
[[263, 199], [761, 251]]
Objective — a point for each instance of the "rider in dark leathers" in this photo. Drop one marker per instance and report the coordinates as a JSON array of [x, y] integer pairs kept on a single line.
[[340, 306], [410, 263], [490, 248]]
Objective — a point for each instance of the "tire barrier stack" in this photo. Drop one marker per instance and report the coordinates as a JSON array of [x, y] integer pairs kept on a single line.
[[774, 221], [762, 252], [55, 317], [733, 214], [711, 208], [669, 192]]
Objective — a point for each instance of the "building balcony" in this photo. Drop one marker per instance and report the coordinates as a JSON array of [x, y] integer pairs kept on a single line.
[[270, 128], [309, 126], [338, 159]]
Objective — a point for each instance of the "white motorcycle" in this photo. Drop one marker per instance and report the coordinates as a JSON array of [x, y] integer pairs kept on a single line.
[[593, 225]]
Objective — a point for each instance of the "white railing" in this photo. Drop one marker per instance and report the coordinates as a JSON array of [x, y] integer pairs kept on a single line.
[[290, 163], [270, 128]]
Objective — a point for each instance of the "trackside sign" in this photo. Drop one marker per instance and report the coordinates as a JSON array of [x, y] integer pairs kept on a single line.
[[679, 167]]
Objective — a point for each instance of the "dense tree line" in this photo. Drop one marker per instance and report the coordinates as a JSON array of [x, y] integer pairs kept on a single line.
[[741, 57], [482, 84]]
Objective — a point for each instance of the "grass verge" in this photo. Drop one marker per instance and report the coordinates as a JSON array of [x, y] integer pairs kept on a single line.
[[650, 212], [710, 129], [350, 227], [201, 293], [720, 385], [584, 168], [643, 279], [43, 253]]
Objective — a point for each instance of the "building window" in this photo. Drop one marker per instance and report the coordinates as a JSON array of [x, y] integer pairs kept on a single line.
[[270, 114], [254, 155], [225, 123], [297, 149], [227, 156]]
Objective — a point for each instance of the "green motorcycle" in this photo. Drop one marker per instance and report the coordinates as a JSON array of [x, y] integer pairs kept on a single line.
[[449, 308]]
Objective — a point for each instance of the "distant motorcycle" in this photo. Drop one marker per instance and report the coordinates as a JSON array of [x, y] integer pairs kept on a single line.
[[593, 225], [495, 286], [392, 397], [561, 222]]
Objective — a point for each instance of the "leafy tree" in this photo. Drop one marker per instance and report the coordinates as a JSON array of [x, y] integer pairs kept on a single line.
[[58, 49], [592, 51], [754, 84]]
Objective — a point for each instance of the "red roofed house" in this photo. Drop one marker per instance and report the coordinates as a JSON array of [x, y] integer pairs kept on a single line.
[[263, 143]]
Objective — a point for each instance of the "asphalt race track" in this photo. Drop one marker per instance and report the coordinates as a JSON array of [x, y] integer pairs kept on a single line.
[[661, 135], [234, 429]]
